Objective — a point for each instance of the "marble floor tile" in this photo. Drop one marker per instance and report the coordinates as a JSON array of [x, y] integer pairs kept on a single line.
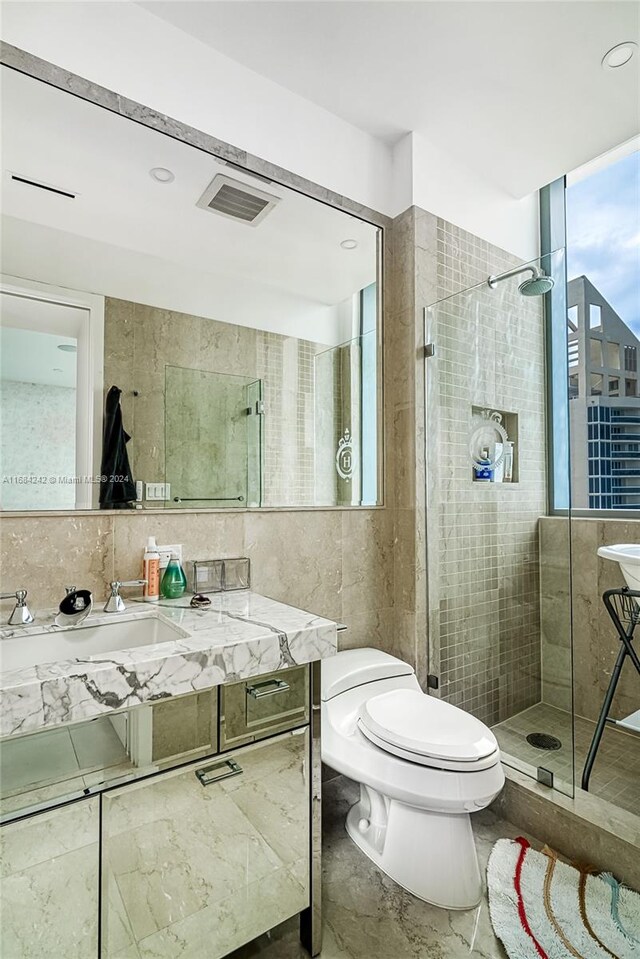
[[367, 916]]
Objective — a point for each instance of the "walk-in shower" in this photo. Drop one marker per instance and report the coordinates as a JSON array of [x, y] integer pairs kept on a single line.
[[506, 576]]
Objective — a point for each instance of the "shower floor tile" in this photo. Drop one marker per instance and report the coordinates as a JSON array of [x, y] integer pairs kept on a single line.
[[616, 773]]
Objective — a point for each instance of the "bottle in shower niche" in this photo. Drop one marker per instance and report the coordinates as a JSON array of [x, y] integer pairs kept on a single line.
[[151, 571], [174, 581]]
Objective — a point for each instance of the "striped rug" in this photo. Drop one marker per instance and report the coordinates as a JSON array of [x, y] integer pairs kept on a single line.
[[541, 908]]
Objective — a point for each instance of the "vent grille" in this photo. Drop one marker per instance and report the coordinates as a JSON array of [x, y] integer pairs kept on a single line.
[[42, 186], [237, 203], [237, 200]]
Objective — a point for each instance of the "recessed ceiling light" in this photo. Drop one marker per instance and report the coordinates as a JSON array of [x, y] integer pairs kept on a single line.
[[619, 55], [162, 175], [68, 348], [349, 244]]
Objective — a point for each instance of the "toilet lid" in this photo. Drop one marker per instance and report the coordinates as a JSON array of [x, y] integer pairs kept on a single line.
[[426, 726]]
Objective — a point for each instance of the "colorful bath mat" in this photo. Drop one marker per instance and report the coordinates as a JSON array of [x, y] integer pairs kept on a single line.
[[541, 908]]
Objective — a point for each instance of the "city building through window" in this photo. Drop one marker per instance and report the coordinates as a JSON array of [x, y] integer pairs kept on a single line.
[[603, 329]]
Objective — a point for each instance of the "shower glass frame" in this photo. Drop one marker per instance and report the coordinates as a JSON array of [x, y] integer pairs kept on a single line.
[[498, 563]]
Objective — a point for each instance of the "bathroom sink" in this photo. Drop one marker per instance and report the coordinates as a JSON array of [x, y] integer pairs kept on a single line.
[[628, 556], [85, 642]]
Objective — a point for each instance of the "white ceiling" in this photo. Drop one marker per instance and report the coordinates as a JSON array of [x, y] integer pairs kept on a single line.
[[29, 340], [514, 89], [51, 137]]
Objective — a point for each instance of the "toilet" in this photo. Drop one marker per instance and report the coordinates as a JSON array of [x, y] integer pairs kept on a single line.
[[423, 767]]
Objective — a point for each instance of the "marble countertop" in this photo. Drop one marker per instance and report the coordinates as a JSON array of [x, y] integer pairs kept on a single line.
[[241, 634]]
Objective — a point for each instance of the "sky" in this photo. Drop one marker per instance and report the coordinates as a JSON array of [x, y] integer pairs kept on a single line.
[[603, 235]]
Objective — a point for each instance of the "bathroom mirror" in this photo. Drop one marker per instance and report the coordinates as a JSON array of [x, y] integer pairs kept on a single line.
[[229, 325]]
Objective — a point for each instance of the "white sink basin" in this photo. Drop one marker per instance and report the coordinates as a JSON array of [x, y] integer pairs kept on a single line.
[[628, 556], [85, 642]]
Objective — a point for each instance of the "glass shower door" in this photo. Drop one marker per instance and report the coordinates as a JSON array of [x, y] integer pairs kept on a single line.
[[213, 437], [499, 605]]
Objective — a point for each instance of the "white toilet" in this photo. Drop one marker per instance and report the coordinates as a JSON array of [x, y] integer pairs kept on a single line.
[[423, 766]]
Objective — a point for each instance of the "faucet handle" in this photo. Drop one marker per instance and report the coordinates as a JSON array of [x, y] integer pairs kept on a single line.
[[115, 602], [21, 615], [71, 589]]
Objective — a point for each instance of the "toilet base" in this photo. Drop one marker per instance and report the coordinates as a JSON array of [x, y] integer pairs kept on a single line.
[[432, 855]]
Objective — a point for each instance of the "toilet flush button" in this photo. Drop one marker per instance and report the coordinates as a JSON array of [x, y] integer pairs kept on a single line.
[[363, 825]]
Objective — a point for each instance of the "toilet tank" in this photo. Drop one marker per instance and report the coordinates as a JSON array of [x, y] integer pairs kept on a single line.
[[355, 667]]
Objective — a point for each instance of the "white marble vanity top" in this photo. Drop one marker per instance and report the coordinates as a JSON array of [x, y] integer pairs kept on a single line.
[[241, 634]]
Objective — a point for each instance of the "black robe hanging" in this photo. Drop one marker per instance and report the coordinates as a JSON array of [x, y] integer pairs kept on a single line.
[[117, 488]]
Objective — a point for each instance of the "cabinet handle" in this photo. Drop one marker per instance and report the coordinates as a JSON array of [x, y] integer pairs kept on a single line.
[[269, 688], [217, 772]]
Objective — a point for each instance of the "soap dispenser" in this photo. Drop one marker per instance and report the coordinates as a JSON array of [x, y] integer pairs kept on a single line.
[[174, 581]]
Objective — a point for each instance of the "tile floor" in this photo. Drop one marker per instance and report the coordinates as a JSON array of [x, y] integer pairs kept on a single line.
[[616, 773], [367, 916]]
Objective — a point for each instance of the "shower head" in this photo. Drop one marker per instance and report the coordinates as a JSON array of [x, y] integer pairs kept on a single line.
[[536, 285]]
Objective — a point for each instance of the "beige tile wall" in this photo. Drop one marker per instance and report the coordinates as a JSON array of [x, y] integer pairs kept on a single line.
[[141, 340], [490, 354], [335, 563], [472, 551], [595, 643]]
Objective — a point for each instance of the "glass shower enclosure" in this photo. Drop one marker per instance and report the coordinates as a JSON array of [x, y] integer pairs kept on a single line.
[[213, 437], [499, 566]]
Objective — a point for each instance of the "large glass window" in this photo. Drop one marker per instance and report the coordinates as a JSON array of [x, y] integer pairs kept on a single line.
[[602, 211]]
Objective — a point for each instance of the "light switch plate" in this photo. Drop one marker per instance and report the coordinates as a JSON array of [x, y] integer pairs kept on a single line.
[[157, 491], [166, 551]]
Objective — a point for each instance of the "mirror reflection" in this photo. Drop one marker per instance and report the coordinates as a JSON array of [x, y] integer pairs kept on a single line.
[[176, 332]]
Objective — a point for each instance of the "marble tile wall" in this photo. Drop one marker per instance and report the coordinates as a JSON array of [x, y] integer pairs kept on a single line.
[[472, 553], [141, 340], [595, 644], [483, 537], [336, 563]]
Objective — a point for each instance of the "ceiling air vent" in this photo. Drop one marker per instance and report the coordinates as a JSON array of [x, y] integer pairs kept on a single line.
[[42, 186], [237, 200]]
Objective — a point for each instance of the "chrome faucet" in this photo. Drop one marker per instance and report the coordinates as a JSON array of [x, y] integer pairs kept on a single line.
[[21, 615], [115, 603], [74, 608]]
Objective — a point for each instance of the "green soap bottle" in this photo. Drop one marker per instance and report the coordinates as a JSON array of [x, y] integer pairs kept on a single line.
[[174, 582]]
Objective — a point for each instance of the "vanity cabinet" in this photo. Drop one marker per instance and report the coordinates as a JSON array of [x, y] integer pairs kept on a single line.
[[182, 828], [201, 859], [50, 884], [256, 708]]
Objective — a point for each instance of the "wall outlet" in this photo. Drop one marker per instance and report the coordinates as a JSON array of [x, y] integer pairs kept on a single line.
[[165, 554], [157, 491]]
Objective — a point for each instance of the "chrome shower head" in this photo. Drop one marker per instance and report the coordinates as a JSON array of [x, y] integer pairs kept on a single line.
[[537, 284]]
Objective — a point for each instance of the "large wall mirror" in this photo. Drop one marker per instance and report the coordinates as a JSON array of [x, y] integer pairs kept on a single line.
[[176, 331]]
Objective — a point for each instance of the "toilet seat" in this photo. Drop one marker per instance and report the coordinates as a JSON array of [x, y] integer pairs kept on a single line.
[[427, 731]]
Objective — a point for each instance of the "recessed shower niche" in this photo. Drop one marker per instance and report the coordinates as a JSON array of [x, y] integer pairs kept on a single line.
[[493, 445]]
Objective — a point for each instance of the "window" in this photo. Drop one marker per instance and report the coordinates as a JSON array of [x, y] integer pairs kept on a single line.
[[613, 356], [595, 316], [594, 330], [595, 379], [631, 359], [595, 352]]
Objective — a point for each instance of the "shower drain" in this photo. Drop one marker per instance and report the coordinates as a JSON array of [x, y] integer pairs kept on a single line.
[[543, 741]]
